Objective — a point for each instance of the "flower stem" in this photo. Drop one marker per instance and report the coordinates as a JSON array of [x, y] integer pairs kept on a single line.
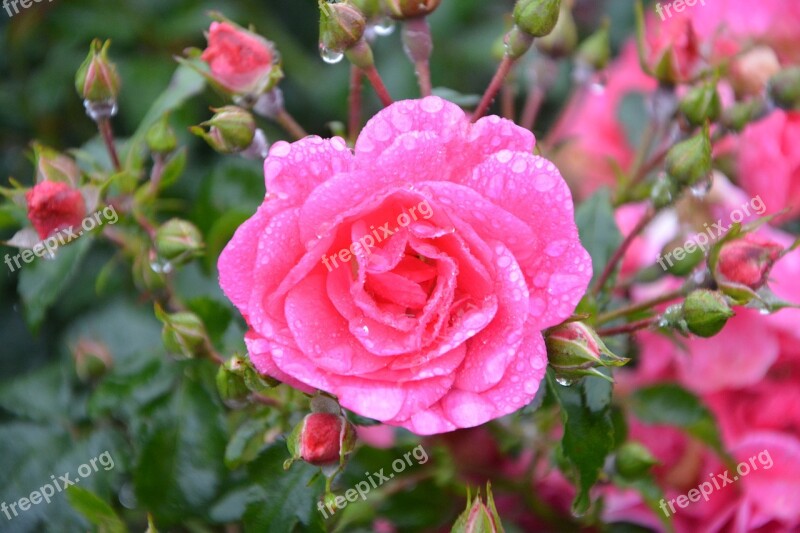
[[377, 83], [620, 251], [533, 103], [641, 306], [627, 328], [354, 120], [423, 69], [288, 123], [496, 84], [507, 101], [107, 132]]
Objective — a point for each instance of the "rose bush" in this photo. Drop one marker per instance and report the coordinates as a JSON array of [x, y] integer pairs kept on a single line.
[[439, 326]]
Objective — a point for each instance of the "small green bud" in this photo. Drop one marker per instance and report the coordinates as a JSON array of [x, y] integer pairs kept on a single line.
[[479, 517], [161, 138], [341, 25], [564, 37], [706, 312], [97, 79], [595, 51], [575, 350], [184, 333], [690, 161], [370, 8], [92, 359], [665, 70], [178, 240], [231, 386], [230, 130], [701, 103], [739, 115], [537, 17], [633, 460], [784, 88]]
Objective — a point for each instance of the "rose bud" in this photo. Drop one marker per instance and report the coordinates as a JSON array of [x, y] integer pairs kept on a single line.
[[341, 26], [252, 379], [178, 240], [479, 517], [689, 161], [633, 460], [564, 37], [92, 359], [408, 9], [739, 115], [54, 166], [241, 61], [595, 51], [784, 89], [575, 350], [161, 138], [701, 103], [322, 439], [743, 265], [537, 18], [231, 386], [231, 130], [54, 206], [706, 312], [183, 334], [751, 72], [97, 79]]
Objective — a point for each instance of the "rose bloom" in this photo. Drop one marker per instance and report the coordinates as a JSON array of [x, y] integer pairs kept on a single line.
[[240, 61], [54, 206], [430, 318]]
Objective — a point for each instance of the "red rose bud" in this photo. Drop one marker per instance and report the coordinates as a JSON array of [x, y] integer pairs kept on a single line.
[[745, 263], [341, 26], [575, 350], [54, 166], [479, 517], [230, 130], [97, 79], [322, 439], [706, 312], [92, 359], [537, 18], [408, 9], [54, 206], [241, 61]]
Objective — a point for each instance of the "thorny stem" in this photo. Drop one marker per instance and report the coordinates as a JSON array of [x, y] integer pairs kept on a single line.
[[496, 84]]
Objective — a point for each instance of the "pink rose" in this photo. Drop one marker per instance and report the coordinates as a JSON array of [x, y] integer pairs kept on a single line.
[[769, 161], [240, 61], [413, 278], [54, 206]]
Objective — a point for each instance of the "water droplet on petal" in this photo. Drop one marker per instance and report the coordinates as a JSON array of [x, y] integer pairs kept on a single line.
[[330, 56]]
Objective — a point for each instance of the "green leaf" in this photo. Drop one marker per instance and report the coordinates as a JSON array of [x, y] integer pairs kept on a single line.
[[41, 395], [96, 510], [282, 499], [588, 432], [632, 113], [672, 405], [598, 230], [41, 282], [246, 443], [652, 495]]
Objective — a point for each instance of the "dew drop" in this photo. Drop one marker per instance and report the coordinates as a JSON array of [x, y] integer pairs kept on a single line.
[[384, 27], [330, 56], [565, 382], [702, 187]]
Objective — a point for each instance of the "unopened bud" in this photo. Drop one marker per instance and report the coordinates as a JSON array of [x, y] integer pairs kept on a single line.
[[750, 72], [408, 9], [161, 138], [184, 333], [739, 115], [537, 17], [55, 166], [178, 240], [97, 79], [230, 130], [665, 69], [231, 386], [370, 8], [564, 37], [595, 51], [701, 103], [54, 206], [322, 439], [633, 460], [743, 265], [690, 161], [575, 350], [252, 379], [784, 88], [341, 25], [479, 516], [706, 312], [92, 359]]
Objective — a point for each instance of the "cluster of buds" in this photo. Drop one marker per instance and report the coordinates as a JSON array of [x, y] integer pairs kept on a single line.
[[479, 516], [324, 437], [574, 350]]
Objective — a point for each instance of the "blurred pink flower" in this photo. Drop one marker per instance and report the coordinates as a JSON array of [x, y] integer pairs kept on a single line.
[[437, 326], [241, 61], [54, 206]]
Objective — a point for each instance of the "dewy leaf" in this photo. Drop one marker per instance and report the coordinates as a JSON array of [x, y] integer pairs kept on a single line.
[[588, 432], [598, 230], [41, 282], [97, 511], [282, 498], [672, 405]]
